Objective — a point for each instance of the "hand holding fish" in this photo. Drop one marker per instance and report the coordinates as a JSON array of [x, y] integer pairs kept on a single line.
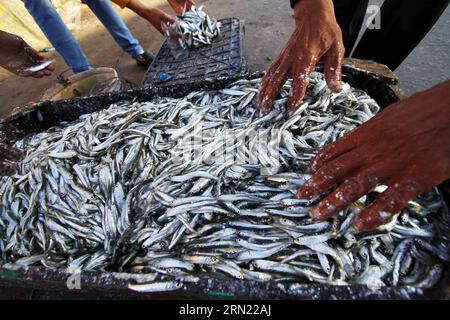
[[18, 57], [8, 156], [155, 16], [405, 147], [181, 6], [317, 35]]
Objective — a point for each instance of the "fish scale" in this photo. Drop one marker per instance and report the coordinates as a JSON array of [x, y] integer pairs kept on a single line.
[[118, 189]]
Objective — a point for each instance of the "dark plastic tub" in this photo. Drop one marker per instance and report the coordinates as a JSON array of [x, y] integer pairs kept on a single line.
[[37, 282]]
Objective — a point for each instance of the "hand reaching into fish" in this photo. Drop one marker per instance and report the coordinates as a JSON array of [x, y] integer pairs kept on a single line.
[[155, 16], [19, 58], [181, 6], [8, 156], [406, 148], [317, 35]]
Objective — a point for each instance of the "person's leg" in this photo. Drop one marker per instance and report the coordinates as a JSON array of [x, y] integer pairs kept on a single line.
[[350, 17], [115, 25], [404, 23], [58, 34]]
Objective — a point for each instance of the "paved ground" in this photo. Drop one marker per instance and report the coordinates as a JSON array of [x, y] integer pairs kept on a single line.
[[429, 63], [269, 24]]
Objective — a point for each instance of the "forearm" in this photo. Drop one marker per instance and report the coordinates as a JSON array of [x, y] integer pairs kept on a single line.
[[134, 5], [137, 7], [444, 88], [438, 98], [121, 3], [306, 8], [294, 2]]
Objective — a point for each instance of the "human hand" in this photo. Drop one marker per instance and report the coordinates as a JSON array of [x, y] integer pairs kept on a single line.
[[406, 147], [181, 6], [8, 156], [16, 56], [317, 35], [155, 16]]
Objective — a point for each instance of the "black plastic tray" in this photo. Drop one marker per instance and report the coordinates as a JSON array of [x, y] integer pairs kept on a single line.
[[375, 79], [223, 58]]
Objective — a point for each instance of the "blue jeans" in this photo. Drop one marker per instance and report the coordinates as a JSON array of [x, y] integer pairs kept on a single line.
[[63, 41]]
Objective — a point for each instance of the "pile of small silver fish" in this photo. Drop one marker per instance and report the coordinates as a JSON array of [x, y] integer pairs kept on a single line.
[[122, 190], [194, 28]]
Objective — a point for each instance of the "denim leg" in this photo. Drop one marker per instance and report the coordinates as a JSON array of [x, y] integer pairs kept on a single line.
[[58, 34], [115, 25]]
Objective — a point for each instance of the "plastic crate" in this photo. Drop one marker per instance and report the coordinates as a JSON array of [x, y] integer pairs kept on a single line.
[[223, 58]]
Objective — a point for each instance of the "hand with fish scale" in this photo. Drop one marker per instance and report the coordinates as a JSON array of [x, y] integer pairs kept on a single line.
[[155, 16], [16, 56], [317, 36], [406, 147]]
